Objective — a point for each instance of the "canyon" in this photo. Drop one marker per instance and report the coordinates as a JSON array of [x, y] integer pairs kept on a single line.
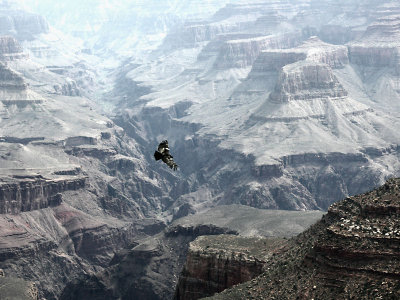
[[357, 239], [273, 110]]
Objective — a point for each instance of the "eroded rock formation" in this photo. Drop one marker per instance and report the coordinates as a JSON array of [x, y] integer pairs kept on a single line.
[[10, 49], [351, 252], [27, 194], [215, 263], [21, 24], [148, 269]]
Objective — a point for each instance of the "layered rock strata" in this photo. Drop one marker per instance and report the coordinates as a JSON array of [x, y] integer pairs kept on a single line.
[[148, 269], [306, 81], [21, 24], [10, 49], [242, 53], [351, 253], [215, 263], [379, 46], [312, 49], [27, 194]]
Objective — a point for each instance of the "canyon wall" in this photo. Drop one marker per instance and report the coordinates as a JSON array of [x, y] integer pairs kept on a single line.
[[215, 263], [35, 193], [351, 252]]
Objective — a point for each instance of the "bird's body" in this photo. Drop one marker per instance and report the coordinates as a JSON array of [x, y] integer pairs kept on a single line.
[[163, 154]]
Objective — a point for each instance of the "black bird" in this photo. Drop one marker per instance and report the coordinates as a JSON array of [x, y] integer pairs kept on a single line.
[[163, 154]]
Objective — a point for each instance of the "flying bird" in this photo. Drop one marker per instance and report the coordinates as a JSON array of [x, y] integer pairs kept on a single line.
[[163, 154]]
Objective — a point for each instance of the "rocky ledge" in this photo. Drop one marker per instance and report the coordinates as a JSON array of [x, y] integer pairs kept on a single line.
[[18, 289], [379, 46], [10, 49], [352, 253], [242, 53], [31, 193], [215, 263], [307, 80]]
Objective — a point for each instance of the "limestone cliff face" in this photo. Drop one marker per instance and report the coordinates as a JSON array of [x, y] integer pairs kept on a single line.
[[351, 253], [242, 53], [27, 194], [312, 49], [373, 56], [148, 269], [11, 80], [379, 46], [303, 80], [21, 24], [191, 34], [10, 49], [215, 263]]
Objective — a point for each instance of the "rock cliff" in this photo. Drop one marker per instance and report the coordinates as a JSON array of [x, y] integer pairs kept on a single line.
[[306, 81], [14, 288], [10, 49], [27, 194], [350, 253], [21, 24], [215, 263], [148, 269], [243, 52]]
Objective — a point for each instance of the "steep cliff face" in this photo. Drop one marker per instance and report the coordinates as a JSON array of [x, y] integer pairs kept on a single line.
[[215, 263], [303, 81], [351, 252], [22, 25], [378, 47], [148, 269], [242, 53], [10, 79], [35, 193], [10, 49]]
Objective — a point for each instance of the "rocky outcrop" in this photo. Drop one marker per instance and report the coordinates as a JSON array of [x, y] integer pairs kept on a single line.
[[11, 80], [306, 80], [72, 242], [351, 253], [215, 263], [193, 33], [379, 46], [27, 194], [10, 49], [148, 269], [17, 289], [312, 50], [21, 24], [274, 60], [70, 88], [243, 52], [373, 56]]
